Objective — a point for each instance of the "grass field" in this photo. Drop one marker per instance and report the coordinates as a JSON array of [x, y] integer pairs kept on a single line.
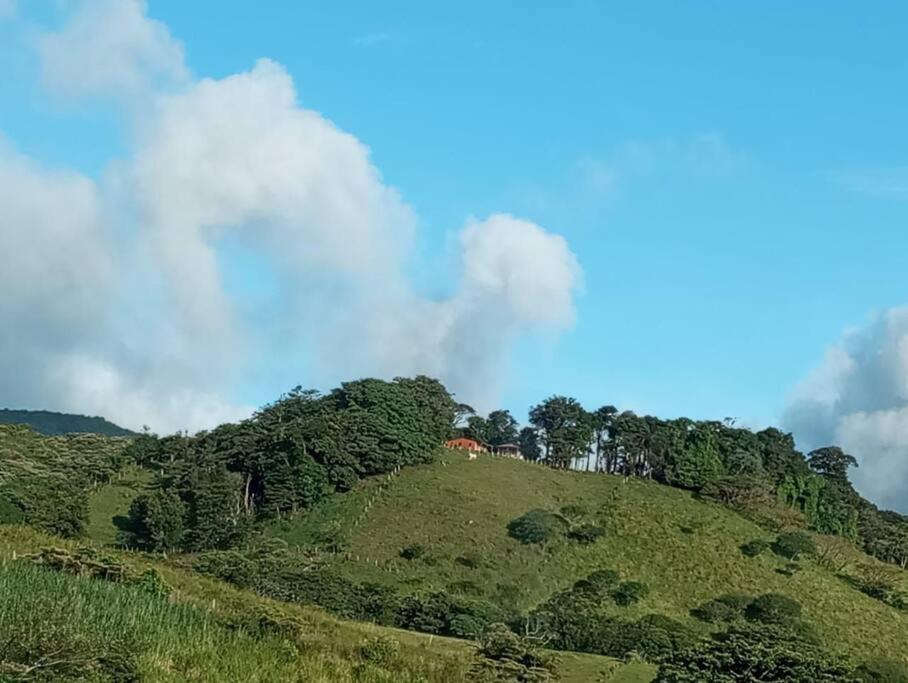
[[188, 638], [685, 550]]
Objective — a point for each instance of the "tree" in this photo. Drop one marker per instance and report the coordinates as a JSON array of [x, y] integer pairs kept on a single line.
[[831, 462], [502, 428], [155, 521], [477, 428], [536, 526], [601, 421], [565, 429], [528, 440]]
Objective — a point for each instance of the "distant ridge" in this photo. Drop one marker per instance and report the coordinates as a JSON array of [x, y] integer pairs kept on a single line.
[[54, 424]]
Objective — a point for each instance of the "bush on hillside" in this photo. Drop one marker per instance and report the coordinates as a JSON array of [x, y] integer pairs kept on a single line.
[[794, 544], [629, 593], [380, 650], [755, 548], [586, 534], [412, 552], [773, 608], [604, 579], [503, 656], [446, 615], [536, 526], [724, 609]]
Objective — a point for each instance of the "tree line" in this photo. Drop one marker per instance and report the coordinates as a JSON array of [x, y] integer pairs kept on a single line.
[[759, 473], [211, 488]]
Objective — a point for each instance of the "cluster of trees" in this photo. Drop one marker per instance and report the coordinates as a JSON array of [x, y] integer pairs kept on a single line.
[[587, 618], [759, 473], [766, 639], [273, 571], [211, 487], [45, 481]]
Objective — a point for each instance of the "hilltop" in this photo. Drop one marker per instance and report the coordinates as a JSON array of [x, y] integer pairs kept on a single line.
[[56, 424]]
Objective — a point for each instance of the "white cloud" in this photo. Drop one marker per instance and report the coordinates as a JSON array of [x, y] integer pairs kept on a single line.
[[140, 325], [858, 398], [530, 270], [110, 48]]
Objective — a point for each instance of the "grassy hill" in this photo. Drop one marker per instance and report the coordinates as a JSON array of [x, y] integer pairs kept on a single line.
[[56, 424], [210, 631], [685, 550]]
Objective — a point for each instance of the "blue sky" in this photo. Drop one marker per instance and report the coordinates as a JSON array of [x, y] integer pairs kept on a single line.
[[732, 177]]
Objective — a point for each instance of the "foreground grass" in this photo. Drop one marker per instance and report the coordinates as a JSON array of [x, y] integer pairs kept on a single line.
[[685, 550], [209, 631]]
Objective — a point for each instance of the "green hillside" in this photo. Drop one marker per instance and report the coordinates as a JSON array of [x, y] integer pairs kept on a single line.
[[56, 424], [686, 551], [206, 630]]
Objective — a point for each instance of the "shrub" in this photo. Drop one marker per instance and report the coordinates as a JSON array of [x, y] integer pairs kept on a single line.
[[629, 592], [604, 579], [724, 609], [773, 608], [466, 626], [790, 569], [793, 544], [754, 548], [504, 656], [536, 526], [440, 613], [586, 534], [229, 565], [412, 552], [380, 650]]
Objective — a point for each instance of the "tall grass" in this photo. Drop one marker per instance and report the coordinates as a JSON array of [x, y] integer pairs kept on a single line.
[[56, 627]]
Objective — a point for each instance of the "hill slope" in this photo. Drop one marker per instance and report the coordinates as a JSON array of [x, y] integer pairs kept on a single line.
[[210, 631], [686, 551], [56, 424]]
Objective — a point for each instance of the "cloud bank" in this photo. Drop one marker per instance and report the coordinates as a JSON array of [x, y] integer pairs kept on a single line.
[[121, 302], [858, 398]]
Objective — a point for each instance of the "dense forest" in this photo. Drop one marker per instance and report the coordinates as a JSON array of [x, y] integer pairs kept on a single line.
[[57, 424], [211, 494]]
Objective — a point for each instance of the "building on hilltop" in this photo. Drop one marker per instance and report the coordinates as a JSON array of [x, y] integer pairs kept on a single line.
[[509, 450], [467, 444]]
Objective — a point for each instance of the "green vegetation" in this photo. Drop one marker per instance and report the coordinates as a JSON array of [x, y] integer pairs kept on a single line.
[[205, 630], [46, 481], [456, 512], [57, 424], [690, 548]]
